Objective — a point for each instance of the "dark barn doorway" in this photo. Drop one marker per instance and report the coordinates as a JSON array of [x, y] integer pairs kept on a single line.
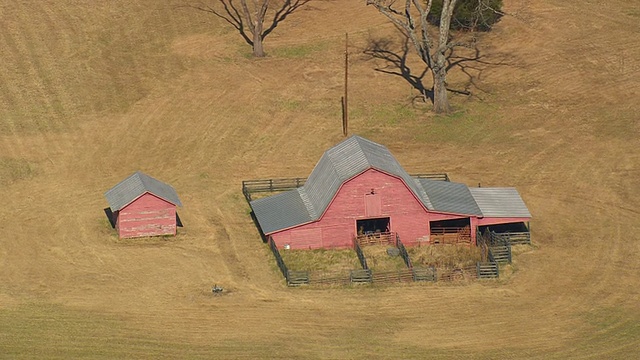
[[373, 226]]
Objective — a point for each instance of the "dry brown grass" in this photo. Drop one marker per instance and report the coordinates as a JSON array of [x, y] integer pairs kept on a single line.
[[91, 91], [447, 256], [379, 260], [339, 261]]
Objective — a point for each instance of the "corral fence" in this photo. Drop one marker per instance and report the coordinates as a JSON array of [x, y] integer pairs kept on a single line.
[[270, 185], [283, 184], [451, 235], [361, 257], [489, 267], [403, 252], [514, 238], [293, 278]]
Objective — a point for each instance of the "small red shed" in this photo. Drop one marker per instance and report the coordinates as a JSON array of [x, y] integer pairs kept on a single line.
[[143, 206], [358, 187]]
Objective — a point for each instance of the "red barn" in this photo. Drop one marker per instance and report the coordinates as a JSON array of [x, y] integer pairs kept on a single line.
[[358, 188], [143, 206]]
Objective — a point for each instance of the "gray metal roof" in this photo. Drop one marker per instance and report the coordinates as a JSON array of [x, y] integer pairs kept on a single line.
[[134, 186], [342, 162], [280, 211], [352, 157], [500, 202], [450, 197]]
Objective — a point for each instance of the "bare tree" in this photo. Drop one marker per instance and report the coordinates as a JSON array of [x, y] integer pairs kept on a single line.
[[249, 17], [412, 21]]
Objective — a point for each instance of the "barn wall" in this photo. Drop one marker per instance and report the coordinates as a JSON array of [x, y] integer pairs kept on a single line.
[[147, 216], [337, 227]]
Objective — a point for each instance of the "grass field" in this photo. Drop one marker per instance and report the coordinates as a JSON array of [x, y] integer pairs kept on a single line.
[[93, 90]]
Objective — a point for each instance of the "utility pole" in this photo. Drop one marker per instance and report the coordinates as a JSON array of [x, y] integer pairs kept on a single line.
[[345, 104]]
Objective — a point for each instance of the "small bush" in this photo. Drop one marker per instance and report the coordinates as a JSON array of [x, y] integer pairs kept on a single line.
[[470, 15]]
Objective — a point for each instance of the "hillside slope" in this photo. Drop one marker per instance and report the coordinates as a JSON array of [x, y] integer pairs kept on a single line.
[[91, 91]]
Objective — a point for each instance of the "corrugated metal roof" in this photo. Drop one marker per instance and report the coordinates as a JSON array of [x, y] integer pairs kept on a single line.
[[280, 211], [337, 165], [500, 202], [135, 185], [450, 197], [348, 159]]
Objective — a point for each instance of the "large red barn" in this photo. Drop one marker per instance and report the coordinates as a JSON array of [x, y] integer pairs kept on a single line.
[[358, 187], [143, 206]]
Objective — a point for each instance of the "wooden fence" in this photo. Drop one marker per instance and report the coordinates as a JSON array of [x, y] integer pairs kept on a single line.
[[360, 276], [383, 277], [403, 252], [432, 176], [458, 273], [385, 238], [270, 185], [361, 257], [486, 269], [516, 238], [281, 265], [425, 274], [284, 184], [451, 235]]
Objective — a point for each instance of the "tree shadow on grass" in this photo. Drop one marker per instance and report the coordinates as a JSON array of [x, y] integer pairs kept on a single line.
[[237, 15], [471, 62]]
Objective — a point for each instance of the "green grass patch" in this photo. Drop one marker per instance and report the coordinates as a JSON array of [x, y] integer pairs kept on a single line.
[[12, 170], [297, 51]]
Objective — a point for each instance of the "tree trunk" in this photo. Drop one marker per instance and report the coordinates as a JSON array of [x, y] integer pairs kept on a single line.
[[258, 49], [439, 69], [440, 99]]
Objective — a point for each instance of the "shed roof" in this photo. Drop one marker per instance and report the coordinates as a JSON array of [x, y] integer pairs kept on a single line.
[[500, 202], [136, 185], [450, 197], [280, 211]]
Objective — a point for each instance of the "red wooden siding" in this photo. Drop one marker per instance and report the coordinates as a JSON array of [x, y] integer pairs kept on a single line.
[[148, 215], [337, 227], [372, 205]]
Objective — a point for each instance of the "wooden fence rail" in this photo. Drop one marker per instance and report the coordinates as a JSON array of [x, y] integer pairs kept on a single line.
[[279, 260], [361, 257], [487, 270], [385, 238], [456, 274], [425, 274], [321, 278], [405, 275], [515, 238], [296, 278], [284, 184], [361, 276], [403, 252], [451, 235]]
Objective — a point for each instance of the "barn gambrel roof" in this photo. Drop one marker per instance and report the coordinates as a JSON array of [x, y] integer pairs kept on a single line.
[[342, 162], [135, 186]]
